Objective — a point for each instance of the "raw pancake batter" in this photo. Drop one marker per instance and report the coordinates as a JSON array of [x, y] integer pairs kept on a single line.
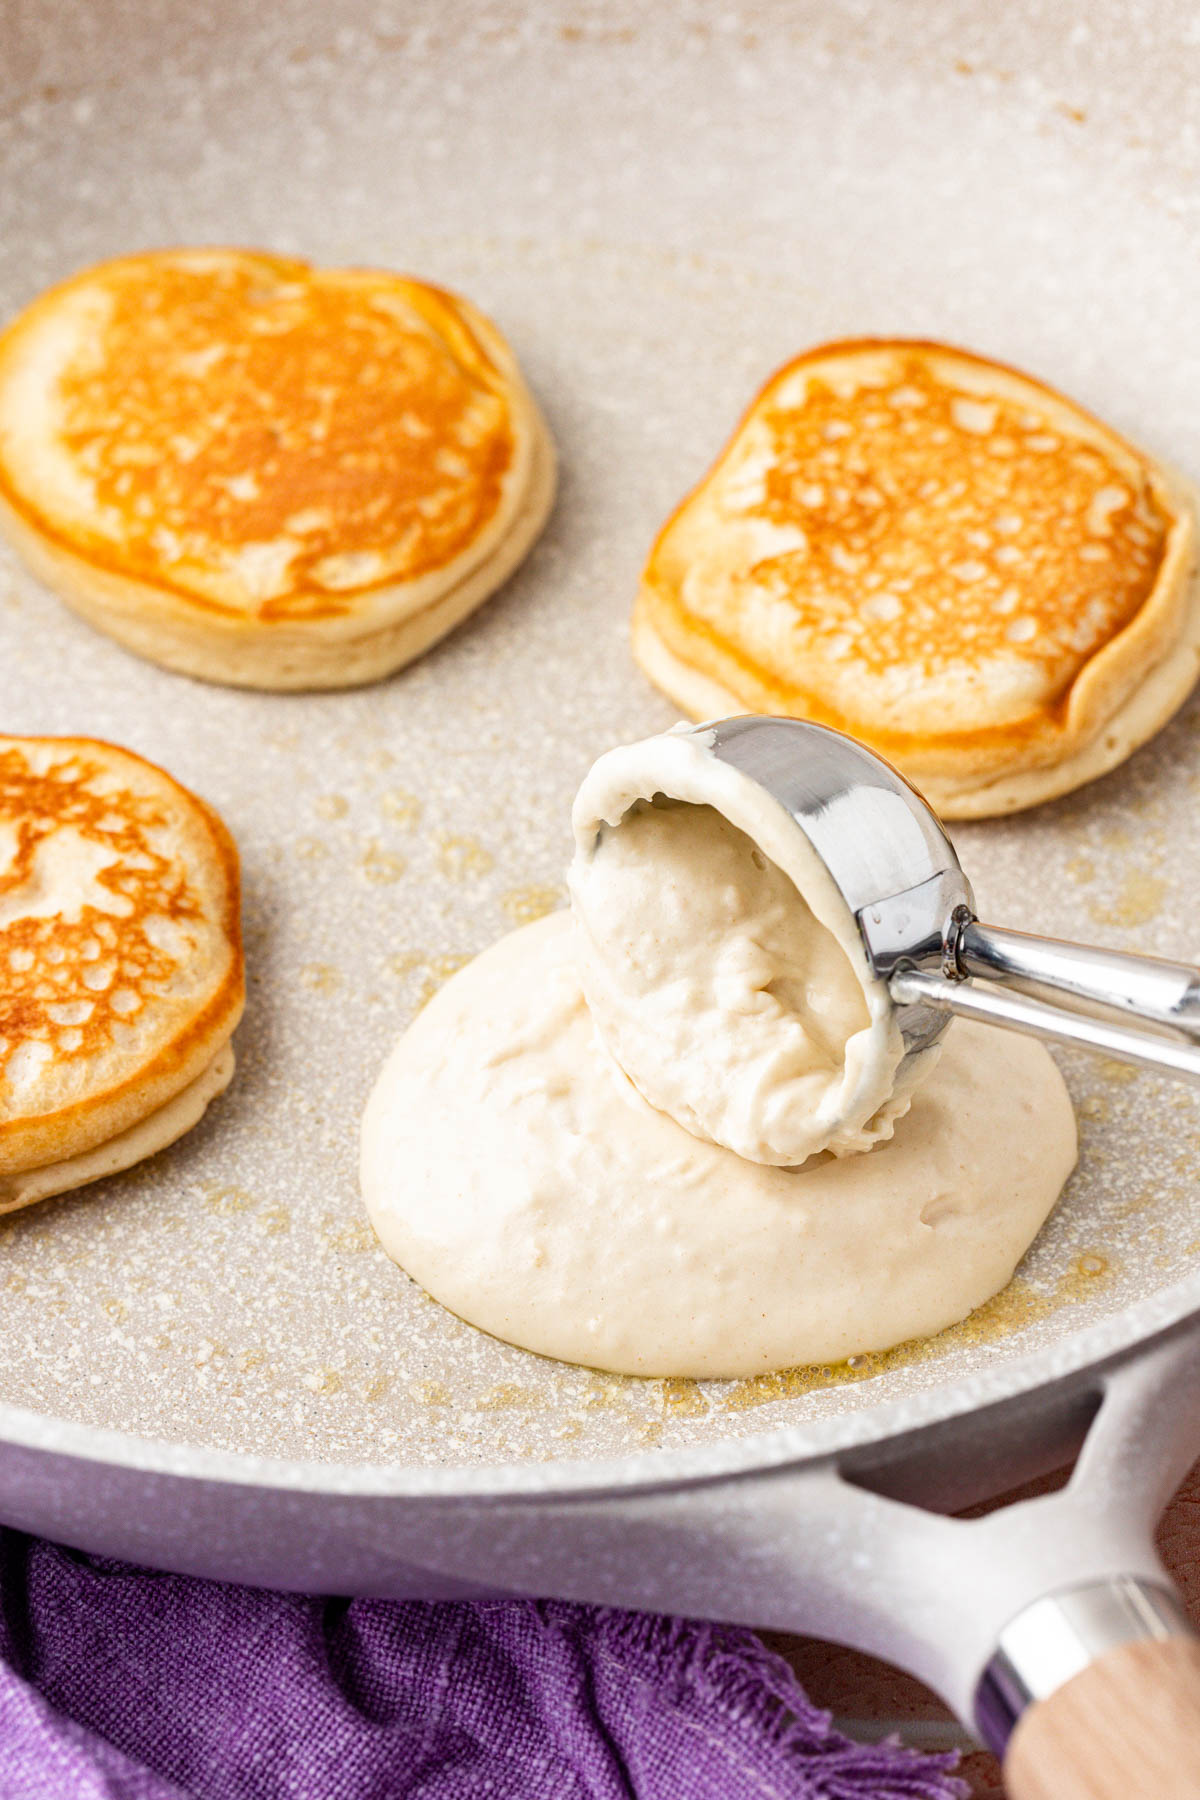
[[721, 966], [515, 1172], [713, 985]]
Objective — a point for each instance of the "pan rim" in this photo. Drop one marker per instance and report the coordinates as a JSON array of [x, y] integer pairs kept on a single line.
[[1113, 1338]]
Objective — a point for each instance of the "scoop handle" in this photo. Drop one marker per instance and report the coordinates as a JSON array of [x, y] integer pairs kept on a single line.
[[1127, 1725], [1145, 989], [994, 1005]]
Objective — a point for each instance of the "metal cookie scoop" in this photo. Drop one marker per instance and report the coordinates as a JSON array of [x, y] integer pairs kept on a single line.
[[899, 874]]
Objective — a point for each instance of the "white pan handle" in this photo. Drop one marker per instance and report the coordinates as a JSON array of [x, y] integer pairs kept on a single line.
[[1093, 1690], [830, 1550], [977, 1608], [1001, 1614]]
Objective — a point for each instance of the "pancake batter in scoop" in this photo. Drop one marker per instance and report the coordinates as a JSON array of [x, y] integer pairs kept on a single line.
[[512, 1169], [713, 985], [721, 966]]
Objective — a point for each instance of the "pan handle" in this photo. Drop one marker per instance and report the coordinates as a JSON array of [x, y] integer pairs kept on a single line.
[[1092, 1691], [843, 1548]]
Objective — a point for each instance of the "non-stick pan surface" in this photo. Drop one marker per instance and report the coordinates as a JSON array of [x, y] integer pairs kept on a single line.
[[658, 207]]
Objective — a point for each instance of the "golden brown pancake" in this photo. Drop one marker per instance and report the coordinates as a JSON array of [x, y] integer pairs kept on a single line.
[[940, 556], [120, 961], [263, 473]]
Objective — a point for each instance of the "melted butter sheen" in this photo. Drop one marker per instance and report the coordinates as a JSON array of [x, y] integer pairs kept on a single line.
[[513, 1170]]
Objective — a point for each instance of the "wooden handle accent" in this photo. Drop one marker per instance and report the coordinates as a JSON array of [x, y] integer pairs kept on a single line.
[[1125, 1728]]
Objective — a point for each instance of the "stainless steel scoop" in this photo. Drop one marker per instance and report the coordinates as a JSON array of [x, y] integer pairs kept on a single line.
[[899, 874]]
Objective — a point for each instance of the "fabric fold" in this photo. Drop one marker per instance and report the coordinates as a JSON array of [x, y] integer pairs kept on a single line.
[[118, 1683]]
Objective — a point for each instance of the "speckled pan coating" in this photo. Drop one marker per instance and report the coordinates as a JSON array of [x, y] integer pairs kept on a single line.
[[658, 209]]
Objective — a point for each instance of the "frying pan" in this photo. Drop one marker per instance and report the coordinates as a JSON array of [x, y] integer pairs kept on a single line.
[[209, 1365]]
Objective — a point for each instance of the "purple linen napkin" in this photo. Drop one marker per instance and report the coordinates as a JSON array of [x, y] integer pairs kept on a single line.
[[121, 1684]]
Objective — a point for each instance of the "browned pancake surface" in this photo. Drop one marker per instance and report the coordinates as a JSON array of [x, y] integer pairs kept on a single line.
[[943, 528], [939, 555], [120, 949], [260, 436]]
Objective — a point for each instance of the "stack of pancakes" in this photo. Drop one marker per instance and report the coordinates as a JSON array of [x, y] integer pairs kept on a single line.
[[940, 557], [120, 962], [262, 473]]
